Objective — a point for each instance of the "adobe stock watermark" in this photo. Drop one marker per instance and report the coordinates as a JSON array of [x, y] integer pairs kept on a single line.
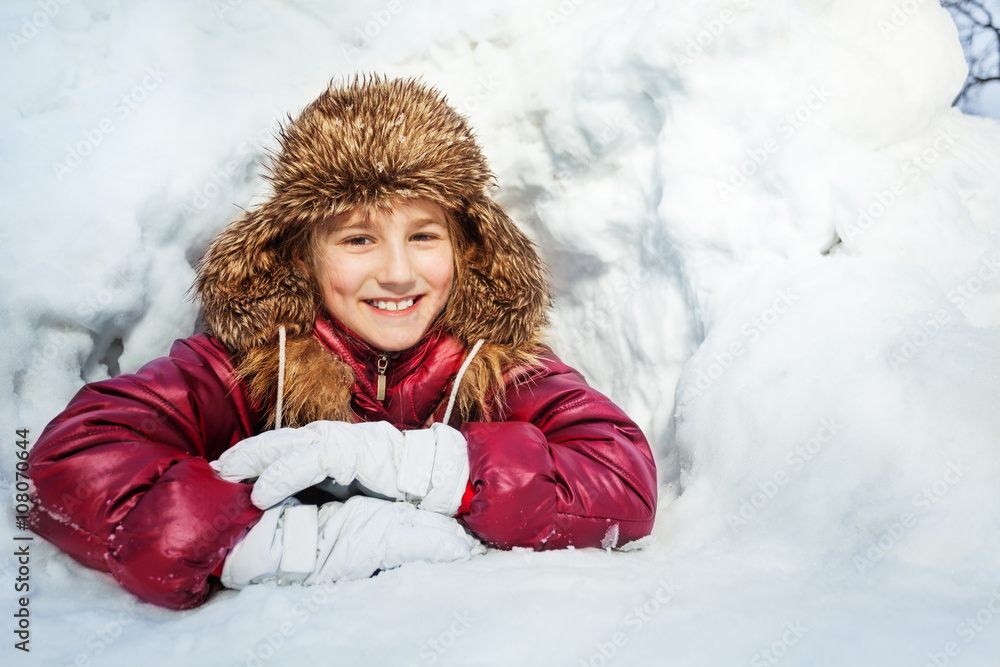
[[223, 7], [636, 619], [563, 11], [918, 339], [53, 342], [968, 289], [924, 501], [752, 330], [773, 654], [433, 649], [795, 460], [790, 123], [100, 640], [610, 131], [711, 29], [268, 646], [605, 309], [968, 630], [898, 17], [913, 169], [121, 108], [32, 25], [963, 293], [364, 35], [222, 179], [86, 485], [488, 85]]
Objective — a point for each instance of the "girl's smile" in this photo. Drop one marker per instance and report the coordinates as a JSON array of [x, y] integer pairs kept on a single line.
[[390, 305]]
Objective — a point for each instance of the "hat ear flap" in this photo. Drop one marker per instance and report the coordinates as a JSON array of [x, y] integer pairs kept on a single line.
[[501, 291], [250, 282]]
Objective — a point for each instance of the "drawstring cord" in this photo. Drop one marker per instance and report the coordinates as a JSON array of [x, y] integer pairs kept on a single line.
[[281, 376], [458, 380]]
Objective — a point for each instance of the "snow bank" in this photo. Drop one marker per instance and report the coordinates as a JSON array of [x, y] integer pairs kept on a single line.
[[770, 238]]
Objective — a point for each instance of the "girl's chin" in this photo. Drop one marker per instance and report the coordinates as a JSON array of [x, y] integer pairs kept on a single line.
[[393, 344], [393, 338]]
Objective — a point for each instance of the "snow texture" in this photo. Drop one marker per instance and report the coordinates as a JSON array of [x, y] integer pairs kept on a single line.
[[771, 239]]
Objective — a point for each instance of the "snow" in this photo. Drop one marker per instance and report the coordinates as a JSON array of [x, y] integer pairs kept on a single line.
[[772, 241]]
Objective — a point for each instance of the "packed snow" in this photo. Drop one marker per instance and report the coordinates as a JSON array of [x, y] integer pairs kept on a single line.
[[772, 241]]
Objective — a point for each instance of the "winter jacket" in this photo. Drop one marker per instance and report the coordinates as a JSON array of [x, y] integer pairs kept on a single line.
[[122, 481]]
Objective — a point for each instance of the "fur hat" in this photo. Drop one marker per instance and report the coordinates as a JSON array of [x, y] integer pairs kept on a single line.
[[368, 144]]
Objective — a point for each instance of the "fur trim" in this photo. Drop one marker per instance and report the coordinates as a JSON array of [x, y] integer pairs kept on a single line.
[[369, 144], [317, 384]]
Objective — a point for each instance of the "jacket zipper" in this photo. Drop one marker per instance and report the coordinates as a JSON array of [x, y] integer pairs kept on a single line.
[[383, 364]]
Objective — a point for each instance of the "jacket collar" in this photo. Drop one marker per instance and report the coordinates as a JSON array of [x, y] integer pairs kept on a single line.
[[417, 379]]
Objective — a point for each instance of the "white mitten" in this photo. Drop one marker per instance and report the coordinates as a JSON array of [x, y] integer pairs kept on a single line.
[[282, 546], [364, 535], [427, 466], [295, 543]]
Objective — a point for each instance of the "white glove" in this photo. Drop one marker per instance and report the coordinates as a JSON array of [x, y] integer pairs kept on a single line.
[[304, 543], [427, 466], [364, 535], [286, 530]]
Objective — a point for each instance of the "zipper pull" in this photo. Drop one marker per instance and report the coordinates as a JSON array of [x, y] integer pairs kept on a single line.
[[383, 363]]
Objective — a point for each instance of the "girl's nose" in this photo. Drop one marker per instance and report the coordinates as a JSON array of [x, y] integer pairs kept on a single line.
[[396, 266]]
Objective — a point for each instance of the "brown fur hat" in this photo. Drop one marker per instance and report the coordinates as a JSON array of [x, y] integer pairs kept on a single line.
[[367, 144]]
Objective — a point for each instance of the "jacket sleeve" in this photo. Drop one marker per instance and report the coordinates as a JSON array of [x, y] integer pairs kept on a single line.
[[122, 482], [560, 466]]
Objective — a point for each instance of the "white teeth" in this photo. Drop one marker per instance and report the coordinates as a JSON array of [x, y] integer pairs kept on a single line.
[[393, 305]]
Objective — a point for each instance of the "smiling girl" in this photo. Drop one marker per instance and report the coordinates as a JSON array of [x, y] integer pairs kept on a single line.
[[372, 363]]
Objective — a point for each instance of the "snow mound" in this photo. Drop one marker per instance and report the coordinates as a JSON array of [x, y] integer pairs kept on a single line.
[[771, 240]]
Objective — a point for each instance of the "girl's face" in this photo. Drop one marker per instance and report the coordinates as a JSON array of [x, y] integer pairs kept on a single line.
[[386, 275]]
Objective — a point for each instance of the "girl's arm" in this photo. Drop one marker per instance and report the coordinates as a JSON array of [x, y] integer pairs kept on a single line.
[[122, 482], [560, 465]]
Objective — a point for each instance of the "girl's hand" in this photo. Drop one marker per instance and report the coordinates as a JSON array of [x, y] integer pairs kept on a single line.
[[429, 467], [296, 543]]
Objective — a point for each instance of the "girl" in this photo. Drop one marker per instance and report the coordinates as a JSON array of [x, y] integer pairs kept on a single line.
[[373, 359]]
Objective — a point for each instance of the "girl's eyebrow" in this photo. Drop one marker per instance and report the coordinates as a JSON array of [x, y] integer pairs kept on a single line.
[[365, 223], [421, 222], [360, 224]]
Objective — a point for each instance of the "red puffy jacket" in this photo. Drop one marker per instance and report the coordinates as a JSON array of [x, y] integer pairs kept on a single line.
[[122, 481]]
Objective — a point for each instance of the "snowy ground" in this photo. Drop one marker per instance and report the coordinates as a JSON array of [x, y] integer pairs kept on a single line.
[[772, 241]]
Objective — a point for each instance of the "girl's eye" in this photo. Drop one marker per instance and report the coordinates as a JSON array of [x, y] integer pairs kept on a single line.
[[425, 236], [357, 241]]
